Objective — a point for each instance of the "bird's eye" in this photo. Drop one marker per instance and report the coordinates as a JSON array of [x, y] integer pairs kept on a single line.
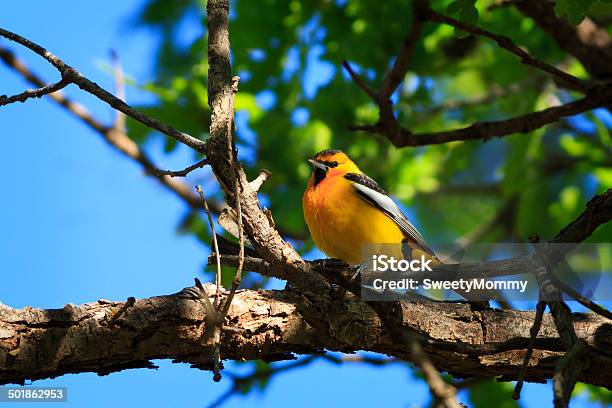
[[334, 164]]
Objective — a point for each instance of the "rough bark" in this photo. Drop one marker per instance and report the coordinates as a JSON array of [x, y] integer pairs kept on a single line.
[[273, 325]]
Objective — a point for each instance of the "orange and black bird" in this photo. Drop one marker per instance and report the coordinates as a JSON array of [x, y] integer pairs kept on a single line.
[[345, 209]]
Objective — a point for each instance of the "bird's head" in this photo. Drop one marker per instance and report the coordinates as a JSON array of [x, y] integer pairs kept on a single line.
[[328, 163]]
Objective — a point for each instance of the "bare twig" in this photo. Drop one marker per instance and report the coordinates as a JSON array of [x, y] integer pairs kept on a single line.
[[354, 358], [400, 66], [73, 76], [208, 306], [493, 94], [360, 81], [259, 181], [34, 93], [588, 303], [441, 390], [184, 172], [117, 139], [570, 365], [213, 325], [509, 45], [533, 333], [215, 242]]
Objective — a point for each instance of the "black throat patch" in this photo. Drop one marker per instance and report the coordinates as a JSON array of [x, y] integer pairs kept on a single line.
[[319, 175]]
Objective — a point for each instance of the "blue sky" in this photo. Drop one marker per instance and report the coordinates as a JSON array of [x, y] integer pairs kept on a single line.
[[81, 222]]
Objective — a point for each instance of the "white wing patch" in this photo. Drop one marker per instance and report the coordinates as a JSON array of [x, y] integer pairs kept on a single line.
[[388, 206]]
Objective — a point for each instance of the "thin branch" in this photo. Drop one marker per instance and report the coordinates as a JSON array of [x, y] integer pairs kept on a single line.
[[533, 333], [117, 139], [353, 358], [34, 93], [588, 303], [596, 95], [215, 242], [441, 390], [360, 81], [400, 66], [509, 45], [215, 320], [590, 44], [493, 94], [257, 225], [259, 181], [184, 172], [73, 76]]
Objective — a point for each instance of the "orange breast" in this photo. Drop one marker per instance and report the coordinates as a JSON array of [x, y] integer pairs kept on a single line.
[[340, 222]]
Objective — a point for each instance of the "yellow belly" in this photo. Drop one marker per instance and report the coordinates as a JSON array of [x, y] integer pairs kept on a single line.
[[340, 222]]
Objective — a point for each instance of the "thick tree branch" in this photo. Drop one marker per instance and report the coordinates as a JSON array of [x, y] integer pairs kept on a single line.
[[597, 97], [270, 325], [71, 75]]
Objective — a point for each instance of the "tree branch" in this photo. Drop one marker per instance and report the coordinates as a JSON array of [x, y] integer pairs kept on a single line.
[[401, 137], [591, 45], [71, 75], [271, 325], [508, 44], [118, 139], [184, 172], [257, 225], [596, 95], [34, 93]]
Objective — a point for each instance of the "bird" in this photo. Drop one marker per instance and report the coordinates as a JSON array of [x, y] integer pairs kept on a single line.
[[345, 209]]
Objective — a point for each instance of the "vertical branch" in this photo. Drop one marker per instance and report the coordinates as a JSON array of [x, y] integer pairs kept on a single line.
[[219, 68], [257, 227], [442, 391], [215, 243], [237, 194]]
